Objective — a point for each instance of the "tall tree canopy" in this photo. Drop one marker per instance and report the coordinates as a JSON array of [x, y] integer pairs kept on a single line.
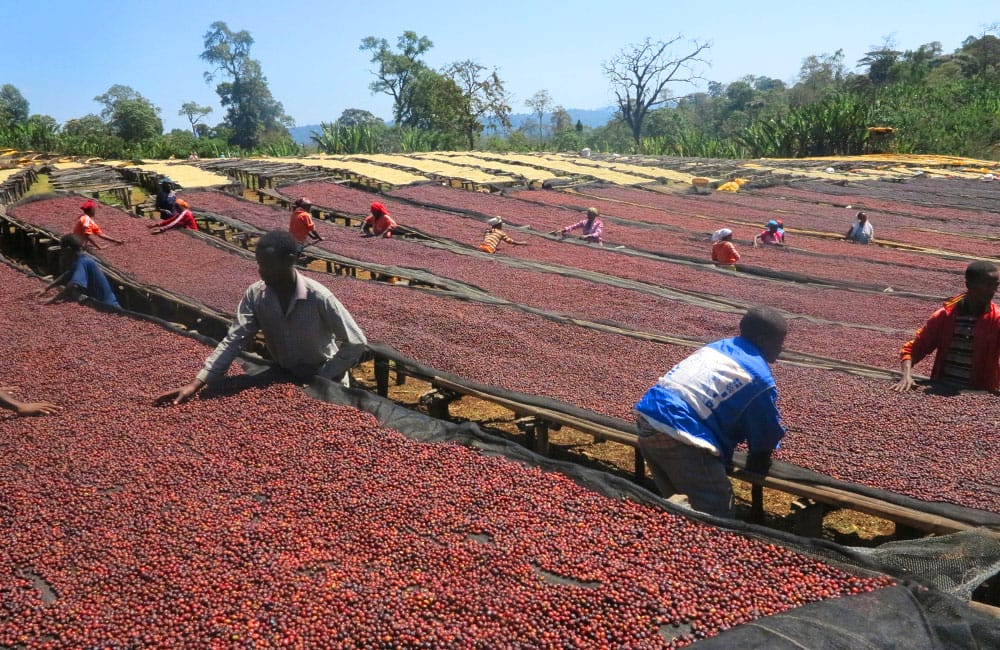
[[13, 105], [396, 71], [640, 75], [253, 115], [129, 115]]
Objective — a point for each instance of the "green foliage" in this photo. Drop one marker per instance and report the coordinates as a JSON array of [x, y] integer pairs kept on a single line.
[[194, 113], [13, 106], [395, 71], [129, 115], [342, 139], [486, 95], [253, 114]]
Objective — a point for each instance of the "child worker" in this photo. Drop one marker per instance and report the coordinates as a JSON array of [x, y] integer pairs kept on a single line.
[[86, 228], [723, 252]]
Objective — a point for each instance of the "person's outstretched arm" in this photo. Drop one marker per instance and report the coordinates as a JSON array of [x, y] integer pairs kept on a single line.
[[23, 409]]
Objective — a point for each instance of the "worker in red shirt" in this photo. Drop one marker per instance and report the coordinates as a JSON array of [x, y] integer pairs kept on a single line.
[[301, 224], [183, 219], [378, 223], [965, 333], [723, 251], [86, 228]]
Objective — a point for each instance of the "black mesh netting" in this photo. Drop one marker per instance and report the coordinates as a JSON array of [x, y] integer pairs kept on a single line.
[[927, 610]]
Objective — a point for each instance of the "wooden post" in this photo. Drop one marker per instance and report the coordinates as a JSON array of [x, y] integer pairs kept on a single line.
[[640, 467], [542, 437], [382, 376], [757, 504]]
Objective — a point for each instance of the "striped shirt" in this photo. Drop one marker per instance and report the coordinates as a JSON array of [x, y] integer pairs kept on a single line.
[[958, 367], [493, 238]]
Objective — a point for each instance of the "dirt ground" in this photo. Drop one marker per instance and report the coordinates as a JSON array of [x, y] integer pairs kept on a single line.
[[842, 526]]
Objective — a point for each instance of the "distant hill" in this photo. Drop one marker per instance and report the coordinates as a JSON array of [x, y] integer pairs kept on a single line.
[[592, 118]]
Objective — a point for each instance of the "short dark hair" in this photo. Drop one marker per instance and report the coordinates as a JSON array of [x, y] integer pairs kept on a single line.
[[278, 243], [979, 271], [762, 324], [72, 242]]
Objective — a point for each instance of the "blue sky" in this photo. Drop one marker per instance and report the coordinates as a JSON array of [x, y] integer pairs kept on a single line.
[[62, 53]]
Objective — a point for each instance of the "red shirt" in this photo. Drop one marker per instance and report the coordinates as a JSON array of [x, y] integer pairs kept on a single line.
[[724, 252], [380, 223], [300, 225], [937, 333], [86, 226]]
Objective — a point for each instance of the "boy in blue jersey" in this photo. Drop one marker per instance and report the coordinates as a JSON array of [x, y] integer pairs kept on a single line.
[[696, 414], [82, 277]]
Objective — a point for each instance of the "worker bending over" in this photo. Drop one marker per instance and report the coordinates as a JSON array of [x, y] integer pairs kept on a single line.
[[965, 332], [86, 228], [495, 234], [301, 224], [306, 329], [723, 251], [378, 223], [183, 219], [592, 228], [696, 414]]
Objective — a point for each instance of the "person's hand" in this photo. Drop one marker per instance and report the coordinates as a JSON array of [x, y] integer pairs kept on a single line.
[[178, 395], [905, 384], [37, 408], [156, 231]]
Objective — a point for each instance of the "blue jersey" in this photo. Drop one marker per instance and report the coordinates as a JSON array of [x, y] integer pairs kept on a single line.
[[716, 398], [86, 274]]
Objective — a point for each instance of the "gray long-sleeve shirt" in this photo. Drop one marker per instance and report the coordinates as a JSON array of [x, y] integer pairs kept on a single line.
[[303, 340]]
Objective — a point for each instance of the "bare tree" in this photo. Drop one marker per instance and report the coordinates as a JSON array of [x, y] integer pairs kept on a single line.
[[640, 74], [487, 96], [539, 103]]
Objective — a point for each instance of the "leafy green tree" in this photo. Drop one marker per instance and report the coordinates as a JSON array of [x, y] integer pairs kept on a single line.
[[640, 75], [880, 62], [88, 125], [13, 105], [358, 117], [130, 116], [253, 114], [438, 106], [488, 99], [395, 71], [819, 76], [194, 113]]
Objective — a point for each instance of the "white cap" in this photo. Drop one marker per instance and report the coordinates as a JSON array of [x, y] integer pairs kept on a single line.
[[721, 233], [495, 221], [988, 177], [830, 170]]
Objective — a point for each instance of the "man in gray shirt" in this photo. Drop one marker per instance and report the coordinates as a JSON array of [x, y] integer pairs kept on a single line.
[[303, 323]]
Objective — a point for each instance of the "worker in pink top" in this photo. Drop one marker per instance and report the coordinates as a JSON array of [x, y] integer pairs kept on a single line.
[[592, 227]]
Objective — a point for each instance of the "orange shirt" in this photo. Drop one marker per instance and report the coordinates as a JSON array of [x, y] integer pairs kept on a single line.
[[86, 226], [723, 252], [300, 225], [380, 224]]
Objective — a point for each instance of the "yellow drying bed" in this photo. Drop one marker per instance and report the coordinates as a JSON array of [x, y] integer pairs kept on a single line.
[[187, 176], [7, 173], [608, 175], [530, 174], [652, 172], [435, 167], [377, 173]]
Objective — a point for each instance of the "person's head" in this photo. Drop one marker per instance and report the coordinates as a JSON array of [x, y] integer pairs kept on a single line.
[[276, 254], [495, 222], [70, 247], [303, 203], [772, 225], [722, 234], [981, 279], [862, 217], [592, 214], [378, 209], [89, 207], [766, 328], [165, 185]]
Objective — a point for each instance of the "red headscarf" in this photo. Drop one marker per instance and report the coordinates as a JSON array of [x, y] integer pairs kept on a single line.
[[379, 208], [88, 205]]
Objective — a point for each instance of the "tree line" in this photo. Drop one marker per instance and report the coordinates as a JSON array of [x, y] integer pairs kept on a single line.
[[909, 101]]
